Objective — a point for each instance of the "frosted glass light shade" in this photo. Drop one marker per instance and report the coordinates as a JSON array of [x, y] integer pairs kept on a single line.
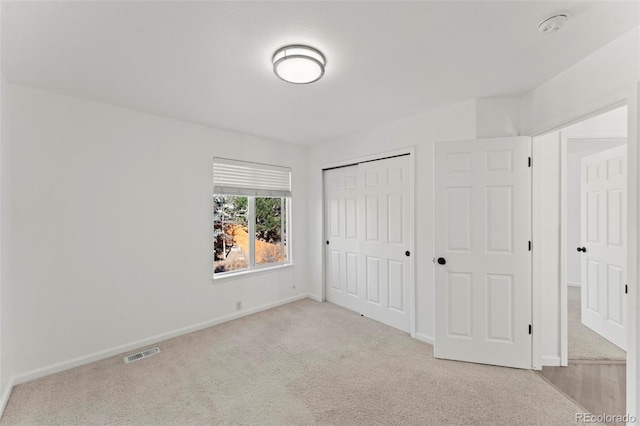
[[298, 64]]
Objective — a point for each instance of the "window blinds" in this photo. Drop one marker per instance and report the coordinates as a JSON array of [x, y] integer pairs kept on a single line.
[[231, 177]]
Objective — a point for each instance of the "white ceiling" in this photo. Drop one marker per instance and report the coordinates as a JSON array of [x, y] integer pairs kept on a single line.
[[210, 62]]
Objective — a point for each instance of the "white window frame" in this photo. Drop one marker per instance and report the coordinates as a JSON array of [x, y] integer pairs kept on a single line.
[[268, 182]]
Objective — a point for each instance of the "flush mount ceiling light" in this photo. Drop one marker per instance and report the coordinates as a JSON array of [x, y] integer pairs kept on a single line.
[[552, 24], [298, 64]]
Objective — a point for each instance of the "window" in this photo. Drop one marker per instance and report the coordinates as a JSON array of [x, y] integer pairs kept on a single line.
[[251, 205], [270, 230], [230, 233]]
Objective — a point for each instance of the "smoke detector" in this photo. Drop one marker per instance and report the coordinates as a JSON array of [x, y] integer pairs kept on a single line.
[[552, 24]]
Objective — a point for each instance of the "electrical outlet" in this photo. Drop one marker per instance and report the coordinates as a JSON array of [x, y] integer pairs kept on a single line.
[[238, 306]]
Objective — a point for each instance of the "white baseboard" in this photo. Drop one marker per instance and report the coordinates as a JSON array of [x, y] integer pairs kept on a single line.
[[574, 284], [97, 356], [550, 361], [5, 396], [315, 297], [424, 338]]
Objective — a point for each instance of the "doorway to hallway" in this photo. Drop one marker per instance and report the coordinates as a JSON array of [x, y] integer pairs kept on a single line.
[[593, 256]]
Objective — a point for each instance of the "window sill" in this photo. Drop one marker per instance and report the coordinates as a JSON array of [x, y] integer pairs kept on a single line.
[[240, 274]]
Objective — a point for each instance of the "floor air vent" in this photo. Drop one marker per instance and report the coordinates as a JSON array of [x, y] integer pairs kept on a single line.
[[140, 355]]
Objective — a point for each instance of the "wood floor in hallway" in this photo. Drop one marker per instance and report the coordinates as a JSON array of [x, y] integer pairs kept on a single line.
[[598, 386]]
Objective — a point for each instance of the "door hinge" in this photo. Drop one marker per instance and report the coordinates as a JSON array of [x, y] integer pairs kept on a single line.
[[530, 328], [626, 288], [529, 163], [529, 245]]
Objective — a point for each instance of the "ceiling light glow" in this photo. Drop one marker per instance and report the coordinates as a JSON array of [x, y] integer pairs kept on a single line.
[[298, 64]]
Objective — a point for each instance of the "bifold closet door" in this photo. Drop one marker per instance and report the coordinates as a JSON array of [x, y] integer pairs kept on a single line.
[[367, 229]]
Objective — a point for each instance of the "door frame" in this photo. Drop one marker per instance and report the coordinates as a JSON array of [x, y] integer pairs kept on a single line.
[[412, 272], [629, 96], [565, 138]]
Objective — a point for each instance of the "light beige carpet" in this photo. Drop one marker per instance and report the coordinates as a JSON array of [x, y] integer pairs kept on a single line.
[[583, 343], [305, 363]]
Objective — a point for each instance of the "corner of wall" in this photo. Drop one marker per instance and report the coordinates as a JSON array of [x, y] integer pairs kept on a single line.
[[4, 397], [6, 372], [424, 338], [497, 117]]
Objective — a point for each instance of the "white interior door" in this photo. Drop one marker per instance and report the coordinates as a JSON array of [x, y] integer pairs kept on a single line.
[[482, 247], [604, 234], [342, 188], [367, 223]]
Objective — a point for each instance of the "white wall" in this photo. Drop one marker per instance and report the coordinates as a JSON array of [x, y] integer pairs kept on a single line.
[[5, 288], [497, 117], [454, 123], [111, 229], [6, 320], [599, 80], [612, 122]]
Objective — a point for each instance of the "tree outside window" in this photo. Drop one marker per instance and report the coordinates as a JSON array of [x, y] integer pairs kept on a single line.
[[229, 231], [235, 219]]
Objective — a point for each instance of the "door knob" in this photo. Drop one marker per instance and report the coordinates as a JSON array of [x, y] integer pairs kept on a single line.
[[582, 249], [441, 261]]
